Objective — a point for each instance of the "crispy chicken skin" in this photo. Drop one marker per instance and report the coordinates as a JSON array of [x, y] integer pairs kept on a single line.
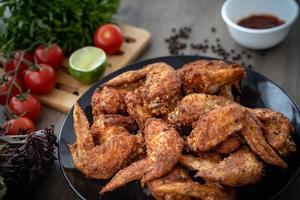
[[198, 191], [104, 160], [107, 100], [176, 175], [253, 133], [278, 130], [128, 77], [164, 146], [226, 91], [177, 185], [231, 144], [84, 138], [106, 126], [212, 156], [215, 127], [162, 86], [136, 108], [229, 120], [238, 169], [191, 107], [207, 76]]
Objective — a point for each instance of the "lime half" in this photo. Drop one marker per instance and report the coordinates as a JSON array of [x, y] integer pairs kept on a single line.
[[87, 64]]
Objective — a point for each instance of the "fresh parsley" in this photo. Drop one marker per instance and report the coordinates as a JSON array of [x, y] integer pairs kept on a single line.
[[71, 23]]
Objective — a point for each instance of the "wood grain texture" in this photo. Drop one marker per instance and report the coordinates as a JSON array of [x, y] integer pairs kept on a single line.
[[281, 64]]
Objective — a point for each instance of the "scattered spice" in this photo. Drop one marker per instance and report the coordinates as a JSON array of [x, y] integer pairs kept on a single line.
[[109, 65], [119, 53], [176, 40], [129, 39], [57, 86], [178, 43], [262, 53]]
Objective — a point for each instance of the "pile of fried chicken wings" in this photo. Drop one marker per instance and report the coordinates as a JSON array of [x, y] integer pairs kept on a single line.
[[139, 132]]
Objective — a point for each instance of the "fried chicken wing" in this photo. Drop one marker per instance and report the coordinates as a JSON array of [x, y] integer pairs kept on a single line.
[[164, 146], [104, 160], [176, 175], [231, 144], [198, 191], [136, 108], [128, 77], [191, 107], [238, 169], [278, 130], [177, 185], [253, 134], [226, 91], [107, 100], [162, 86], [84, 138], [109, 125], [212, 156], [207, 76], [215, 127]]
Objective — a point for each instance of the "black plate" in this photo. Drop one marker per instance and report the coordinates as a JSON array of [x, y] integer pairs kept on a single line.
[[257, 91]]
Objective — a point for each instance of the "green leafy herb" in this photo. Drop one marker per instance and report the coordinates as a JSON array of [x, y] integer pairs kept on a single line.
[[71, 23]]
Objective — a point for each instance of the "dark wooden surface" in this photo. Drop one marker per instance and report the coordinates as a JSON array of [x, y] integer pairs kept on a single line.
[[281, 64]]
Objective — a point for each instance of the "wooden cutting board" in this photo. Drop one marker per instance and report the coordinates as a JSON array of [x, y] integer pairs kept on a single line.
[[68, 89]]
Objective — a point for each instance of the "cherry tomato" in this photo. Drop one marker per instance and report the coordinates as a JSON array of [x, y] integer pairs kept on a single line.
[[19, 125], [26, 105], [40, 81], [52, 56], [108, 37], [11, 64], [4, 86]]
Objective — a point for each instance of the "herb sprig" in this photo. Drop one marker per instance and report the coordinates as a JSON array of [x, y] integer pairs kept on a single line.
[[70, 22]]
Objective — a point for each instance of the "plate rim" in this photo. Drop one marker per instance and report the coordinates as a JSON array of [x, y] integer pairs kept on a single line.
[[158, 59]]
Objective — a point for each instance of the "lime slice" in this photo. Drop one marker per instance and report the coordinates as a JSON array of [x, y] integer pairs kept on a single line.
[[87, 64]]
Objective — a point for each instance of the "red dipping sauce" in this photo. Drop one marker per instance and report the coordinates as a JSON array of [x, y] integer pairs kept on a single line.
[[260, 21]]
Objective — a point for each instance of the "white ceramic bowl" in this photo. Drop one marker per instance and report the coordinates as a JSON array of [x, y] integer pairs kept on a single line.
[[235, 10]]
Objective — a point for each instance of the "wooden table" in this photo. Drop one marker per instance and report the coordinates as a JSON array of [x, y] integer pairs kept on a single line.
[[281, 64]]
